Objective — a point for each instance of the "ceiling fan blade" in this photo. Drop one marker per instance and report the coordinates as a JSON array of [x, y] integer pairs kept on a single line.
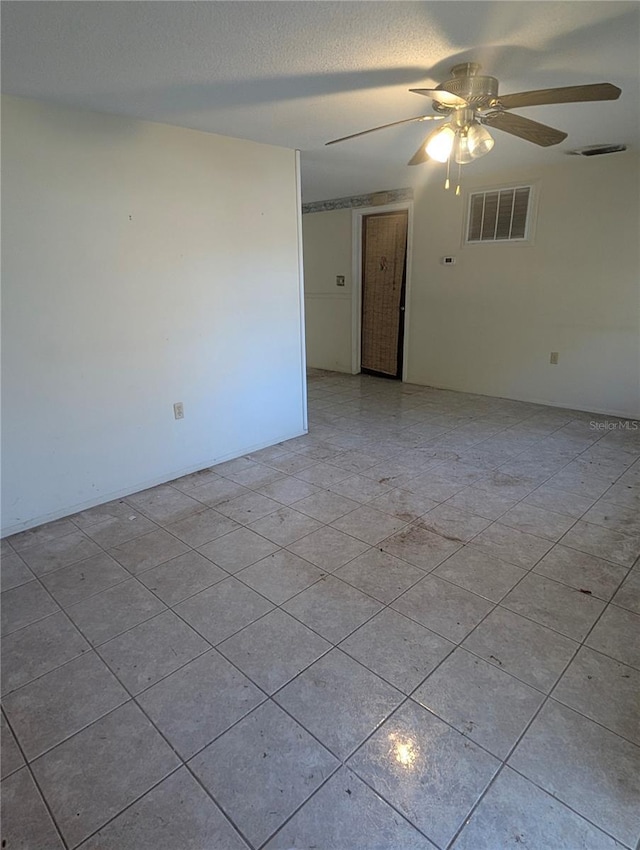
[[384, 127], [568, 94], [524, 128], [444, 98], [421, 154]]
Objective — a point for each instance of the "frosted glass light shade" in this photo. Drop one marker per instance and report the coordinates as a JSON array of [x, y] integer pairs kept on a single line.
[[440, 143], [479, 141], [461, 152]]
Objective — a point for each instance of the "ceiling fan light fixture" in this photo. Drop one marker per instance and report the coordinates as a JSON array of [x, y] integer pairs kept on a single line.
[[440, 143], [461, 153], [479, 141]]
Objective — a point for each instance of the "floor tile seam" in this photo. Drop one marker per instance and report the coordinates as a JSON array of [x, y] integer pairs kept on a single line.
[[107, 550], [68, 737], [594, 594], [311, 628], [263, 702], [541, 482], [135, 575], [182, 762], [583, 644], [190, 550], [596, 499], [26, 766], [317, 519], [38, 619], [449, 581], [422, 832], [320, 577], [71, 563], [214, 646], [246, 523], [17, 555], [54, 669], [496, 522], [474, 808], [205, 542], [574, 548], [73, 625], [461, 642], [161, 523], [566, 805], [531, 570], [271, 695], [126, 808], [632, 537], [342, 764], [139, 693], [318, 489], [634, 744], [531, 619], [381, 601], [502, 760], [505, 766], [552, 540], [124, 631], [20, 750], [171, 605], [306, 560], [556, 542], [7, 542], [321, 524], [120, 581], [380, 676], [545, 700], [220, 808]]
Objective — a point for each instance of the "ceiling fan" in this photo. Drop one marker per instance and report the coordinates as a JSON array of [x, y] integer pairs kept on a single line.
[[471, 103]]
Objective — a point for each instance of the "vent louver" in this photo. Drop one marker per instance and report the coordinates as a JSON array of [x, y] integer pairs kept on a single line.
[[500, 215]]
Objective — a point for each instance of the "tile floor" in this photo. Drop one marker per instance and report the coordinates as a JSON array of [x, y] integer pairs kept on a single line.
[[416, 627]]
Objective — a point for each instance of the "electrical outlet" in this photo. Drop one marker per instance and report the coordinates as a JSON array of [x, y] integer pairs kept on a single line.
[[554, 358], [178, 410]]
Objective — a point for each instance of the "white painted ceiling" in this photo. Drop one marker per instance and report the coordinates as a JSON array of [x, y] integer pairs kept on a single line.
[[300, 73]]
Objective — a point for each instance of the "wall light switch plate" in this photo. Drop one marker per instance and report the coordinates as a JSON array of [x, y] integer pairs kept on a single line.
[[340, 280], [554, 358]]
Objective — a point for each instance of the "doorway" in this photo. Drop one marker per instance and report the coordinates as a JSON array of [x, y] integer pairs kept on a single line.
[[383, 292], [382, 265]]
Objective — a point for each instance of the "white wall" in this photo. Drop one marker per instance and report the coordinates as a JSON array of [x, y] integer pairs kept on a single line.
[[142, 265], [327, 254], [489, 323]]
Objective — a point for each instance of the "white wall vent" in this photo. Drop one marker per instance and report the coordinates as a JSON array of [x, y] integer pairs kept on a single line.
[[499, 215]]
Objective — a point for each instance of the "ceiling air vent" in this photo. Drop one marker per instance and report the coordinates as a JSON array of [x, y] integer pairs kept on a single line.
[[598, 150]]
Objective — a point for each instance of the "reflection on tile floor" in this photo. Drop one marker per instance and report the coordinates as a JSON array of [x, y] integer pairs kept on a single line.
[[416, 627]]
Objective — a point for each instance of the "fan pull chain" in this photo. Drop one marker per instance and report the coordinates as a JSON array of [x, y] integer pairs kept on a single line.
[[458, 186], [446, 182]]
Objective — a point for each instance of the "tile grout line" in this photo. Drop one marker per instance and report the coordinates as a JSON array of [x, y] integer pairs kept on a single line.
[[544, 702]]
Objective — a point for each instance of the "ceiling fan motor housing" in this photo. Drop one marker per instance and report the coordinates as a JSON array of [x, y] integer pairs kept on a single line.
[[478, 91]]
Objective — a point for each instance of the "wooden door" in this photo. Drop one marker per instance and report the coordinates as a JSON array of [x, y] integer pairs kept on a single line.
[[384, 254]]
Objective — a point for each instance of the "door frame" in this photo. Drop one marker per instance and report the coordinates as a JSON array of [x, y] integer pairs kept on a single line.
[[356, 271]]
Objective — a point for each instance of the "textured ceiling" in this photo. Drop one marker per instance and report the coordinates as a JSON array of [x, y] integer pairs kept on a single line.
[[300, 73]]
